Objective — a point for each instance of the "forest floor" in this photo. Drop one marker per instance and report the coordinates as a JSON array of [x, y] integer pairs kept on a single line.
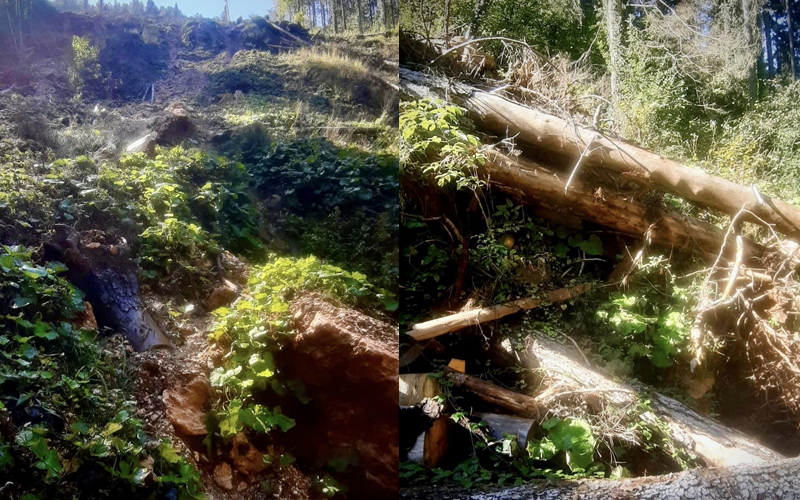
[[328, 110]]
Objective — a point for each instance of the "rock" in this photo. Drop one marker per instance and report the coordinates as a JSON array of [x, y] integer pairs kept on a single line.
[[233, 268], [223, 295], [85, 320], [174, 129], [107, 152], [246, 458], [185, 404], [185, 329], [223, 476], [349, 364], [242, 486], [227, 100], [146, 144]]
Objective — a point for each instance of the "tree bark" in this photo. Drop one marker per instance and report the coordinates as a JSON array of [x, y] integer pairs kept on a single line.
[[360, 17], [108, 278], [455, 322], [546, 132], [531, 183], [748, 37], [776, 480], [612, 9], [767, 17], [19, 25], [715, 444], [792, 56], [510, 401]]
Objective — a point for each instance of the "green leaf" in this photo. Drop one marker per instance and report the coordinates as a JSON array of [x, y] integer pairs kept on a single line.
[[592, 246], [111, 428], [169, 453]]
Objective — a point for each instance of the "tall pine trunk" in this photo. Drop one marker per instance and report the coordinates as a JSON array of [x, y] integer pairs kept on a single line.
[[19, 25], [360, 17], [788, 5], [748, 38], [767, 18], [612, 10]]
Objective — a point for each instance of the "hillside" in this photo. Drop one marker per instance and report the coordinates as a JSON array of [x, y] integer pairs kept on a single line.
[[599, 236], [199, 230]]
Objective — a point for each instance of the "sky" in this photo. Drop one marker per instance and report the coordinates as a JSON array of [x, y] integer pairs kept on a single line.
[[213, 8]]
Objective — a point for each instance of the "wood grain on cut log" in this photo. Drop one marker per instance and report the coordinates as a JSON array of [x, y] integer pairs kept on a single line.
[[535, 184], [496, 396], [712, 442], [455, 322], [503, 117], [502, 425], [431, 444], [777, 480]]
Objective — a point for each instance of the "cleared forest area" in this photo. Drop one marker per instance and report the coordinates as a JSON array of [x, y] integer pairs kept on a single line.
[[599, 249]]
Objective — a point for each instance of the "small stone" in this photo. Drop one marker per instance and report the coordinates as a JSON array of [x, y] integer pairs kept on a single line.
[[146, 144], [223, 476], [85, 319], [242, 486], [185, 404], [223, 295], [246, 457]]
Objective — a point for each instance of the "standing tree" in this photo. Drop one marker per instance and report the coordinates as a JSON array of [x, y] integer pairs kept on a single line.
[[612, 9], [151, 9], [792, 55]]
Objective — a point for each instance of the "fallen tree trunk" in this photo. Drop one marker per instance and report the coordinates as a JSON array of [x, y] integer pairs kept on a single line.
[[711, 441], [778, 480], [514, 402], [534, 184], [454, 322], [99, 265], [503, 117]]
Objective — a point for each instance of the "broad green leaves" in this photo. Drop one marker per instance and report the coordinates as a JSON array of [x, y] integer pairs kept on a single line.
[[257, 417], [432, 141], [572, 436]]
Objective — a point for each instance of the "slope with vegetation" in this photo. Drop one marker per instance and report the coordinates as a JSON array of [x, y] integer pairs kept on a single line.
[[219, 186], [622, 173]]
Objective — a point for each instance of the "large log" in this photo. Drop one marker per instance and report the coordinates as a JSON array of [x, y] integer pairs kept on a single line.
[[533, 183], [430, 432], [100, 265], [510, 401], [712, 442], [454, 322], [503, 117], [776, 480]]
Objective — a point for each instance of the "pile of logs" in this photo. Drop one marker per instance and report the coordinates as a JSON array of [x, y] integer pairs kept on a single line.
[[741, 275]]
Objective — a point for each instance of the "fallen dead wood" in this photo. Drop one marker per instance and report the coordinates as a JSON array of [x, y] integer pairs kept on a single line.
[[503, 117], [711, 441], [454, 322], [514, 402], [532, 183], [778, 480], [502, 425]]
